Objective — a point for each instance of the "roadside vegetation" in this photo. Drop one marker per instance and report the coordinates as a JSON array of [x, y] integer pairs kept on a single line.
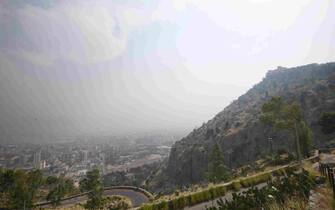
[[277, 192], [267, 162], [184, 199], [59, 187], [217, 170]]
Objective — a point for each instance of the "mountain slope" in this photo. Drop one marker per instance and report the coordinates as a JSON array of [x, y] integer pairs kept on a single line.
[[237, 128]]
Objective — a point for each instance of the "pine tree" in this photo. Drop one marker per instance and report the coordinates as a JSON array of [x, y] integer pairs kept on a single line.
[[305, 138], [60, 187], [217, 171], [289, 117], [93, 184]]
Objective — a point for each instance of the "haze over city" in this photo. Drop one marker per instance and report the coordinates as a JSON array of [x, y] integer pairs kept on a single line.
[[167, 104], [73, 68]]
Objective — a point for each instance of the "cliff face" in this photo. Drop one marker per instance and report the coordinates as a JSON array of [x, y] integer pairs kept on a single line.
[[237, 129]]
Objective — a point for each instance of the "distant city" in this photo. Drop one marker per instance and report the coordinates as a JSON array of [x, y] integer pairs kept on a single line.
[[74, 159]]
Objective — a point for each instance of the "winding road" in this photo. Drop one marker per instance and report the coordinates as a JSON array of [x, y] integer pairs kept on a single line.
[[137, 197]]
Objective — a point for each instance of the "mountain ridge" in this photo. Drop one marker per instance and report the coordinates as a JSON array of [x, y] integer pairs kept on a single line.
[[237, 128]]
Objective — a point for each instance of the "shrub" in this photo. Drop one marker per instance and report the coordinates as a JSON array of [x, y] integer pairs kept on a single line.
[[254, 180], [235, 185], [218, 191], [117, 203], [221, 190], [327, 122], [277, 191], [279, 172], [147, 207]]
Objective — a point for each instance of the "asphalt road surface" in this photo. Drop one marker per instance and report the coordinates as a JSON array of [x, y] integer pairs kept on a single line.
[[137, 198]]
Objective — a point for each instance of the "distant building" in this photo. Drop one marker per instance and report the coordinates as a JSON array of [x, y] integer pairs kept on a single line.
[[37, 160], [84, 156], [103, 163], [43, 164]]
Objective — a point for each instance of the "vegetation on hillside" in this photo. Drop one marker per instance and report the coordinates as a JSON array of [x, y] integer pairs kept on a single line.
[[305, 92], [117, 203], [136, 176], [93, 185], [19, 188], [297, 185], [288, 116], [327, 122], [185, 199], [217, 170], [59, 188]]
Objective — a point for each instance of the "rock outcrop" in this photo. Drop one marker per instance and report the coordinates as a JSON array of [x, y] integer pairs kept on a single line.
[[237, 129]]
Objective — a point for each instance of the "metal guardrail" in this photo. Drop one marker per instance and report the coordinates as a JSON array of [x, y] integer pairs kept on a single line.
[[328, 171]]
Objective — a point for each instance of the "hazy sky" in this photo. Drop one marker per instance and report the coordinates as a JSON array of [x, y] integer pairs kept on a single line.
[[73, 67]]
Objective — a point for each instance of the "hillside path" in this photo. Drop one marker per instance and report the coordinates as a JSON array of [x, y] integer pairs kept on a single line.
[[228, 196]]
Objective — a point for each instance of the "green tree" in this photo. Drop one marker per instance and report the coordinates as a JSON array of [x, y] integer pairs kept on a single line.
[[217, 171], [51, 180], [7, 180], [7, 183], [305, 138], [26, 186], [117, 203], [289, 117], [327, 122], [93, 185], [60, 187]]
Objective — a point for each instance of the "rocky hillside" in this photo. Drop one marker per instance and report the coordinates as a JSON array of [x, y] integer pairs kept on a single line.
[[241, 135]]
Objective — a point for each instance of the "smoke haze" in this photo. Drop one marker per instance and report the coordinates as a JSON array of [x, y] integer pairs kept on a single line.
[[70, 68]]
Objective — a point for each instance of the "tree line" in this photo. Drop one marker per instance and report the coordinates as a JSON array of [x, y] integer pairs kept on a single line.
[[21, 189]]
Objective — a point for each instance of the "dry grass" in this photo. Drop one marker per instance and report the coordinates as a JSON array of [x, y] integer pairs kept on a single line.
[[312, 168], [326, 200], [293, 203]]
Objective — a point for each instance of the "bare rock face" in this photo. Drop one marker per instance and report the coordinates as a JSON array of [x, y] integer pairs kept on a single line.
[[237, 129]]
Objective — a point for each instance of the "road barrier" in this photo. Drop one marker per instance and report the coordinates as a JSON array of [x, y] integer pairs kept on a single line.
[[327, 170]]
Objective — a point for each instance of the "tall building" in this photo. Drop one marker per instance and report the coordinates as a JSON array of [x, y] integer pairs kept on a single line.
[[37, 159], [84, 155], [103, 163]]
